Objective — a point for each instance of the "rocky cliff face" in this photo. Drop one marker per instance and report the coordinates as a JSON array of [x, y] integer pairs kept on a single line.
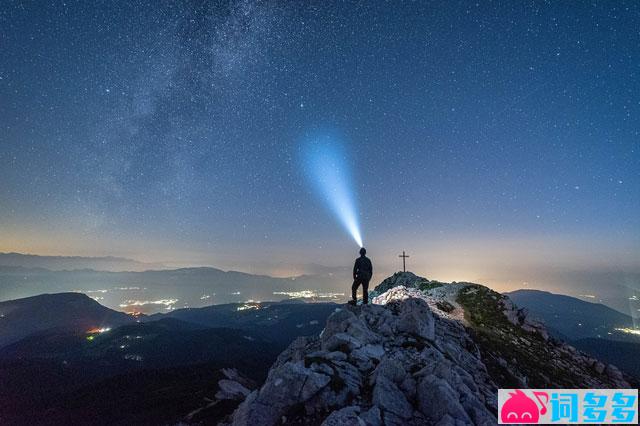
[[423, 353]]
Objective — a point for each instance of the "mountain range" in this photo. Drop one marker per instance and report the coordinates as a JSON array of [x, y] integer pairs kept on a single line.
[[69, 263], [89, 352], [62, 312], [161, 291], [133, 286], [591, 327], [82, 363], [571, 319]]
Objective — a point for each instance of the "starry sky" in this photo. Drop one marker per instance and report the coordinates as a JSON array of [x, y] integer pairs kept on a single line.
[[493, 141]]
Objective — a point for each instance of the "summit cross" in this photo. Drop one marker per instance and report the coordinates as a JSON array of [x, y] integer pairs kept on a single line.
[[404, 257]]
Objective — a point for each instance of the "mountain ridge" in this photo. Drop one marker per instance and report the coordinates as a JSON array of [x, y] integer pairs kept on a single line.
[[69, 263], [570, 316], [69, 311], [424, 352]]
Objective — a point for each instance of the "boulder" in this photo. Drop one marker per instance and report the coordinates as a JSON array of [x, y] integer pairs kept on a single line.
[[230, 389], [391, 369], [342, 342], [347, 416], [372, 417], [416, 318], [373, 351], [436, 399], [390, 399], [287, 385]]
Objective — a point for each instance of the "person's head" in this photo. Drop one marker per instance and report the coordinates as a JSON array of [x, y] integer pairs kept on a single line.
[[363, 251]]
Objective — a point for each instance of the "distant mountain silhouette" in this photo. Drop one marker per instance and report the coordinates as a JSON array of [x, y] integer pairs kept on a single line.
[[59, 263], [68, 312], [192, 287], [570, 318]]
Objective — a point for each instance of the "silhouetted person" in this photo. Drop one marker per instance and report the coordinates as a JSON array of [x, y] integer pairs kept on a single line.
[[362, 273]]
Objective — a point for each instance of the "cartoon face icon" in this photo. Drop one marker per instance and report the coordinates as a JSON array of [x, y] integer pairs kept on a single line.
[[519, 408]]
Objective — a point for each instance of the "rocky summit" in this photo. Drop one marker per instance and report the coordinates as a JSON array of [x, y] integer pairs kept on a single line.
[[423, 353]]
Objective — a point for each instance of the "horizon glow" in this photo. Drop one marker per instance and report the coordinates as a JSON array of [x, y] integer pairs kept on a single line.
[[326, 166]]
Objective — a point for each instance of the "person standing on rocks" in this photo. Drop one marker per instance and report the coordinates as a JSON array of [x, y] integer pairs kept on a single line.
[[362, 273]]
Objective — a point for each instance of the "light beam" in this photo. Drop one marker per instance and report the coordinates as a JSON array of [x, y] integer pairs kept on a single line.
[[328, 170]]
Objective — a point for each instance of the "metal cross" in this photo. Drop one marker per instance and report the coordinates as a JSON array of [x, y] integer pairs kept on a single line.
[[404, 257]]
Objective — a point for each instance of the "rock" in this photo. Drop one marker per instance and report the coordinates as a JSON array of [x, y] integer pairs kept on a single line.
[[337, 322], [249, 409], [446, 420], [342, 342], [391, 419], [373, 351], [612, 372], [296, 350], [232, 374], [389, 398], [287, 385], [408, 387], [347, 416], [391, 369], [348, 376], [337, 356], [230, 389], [405, 279], [436, 399], [520, 317], [324, 355], [346, 322], [406, 361], [477, 411], [322, 368], [372, 417], [361, 360], [416, 318], [398, 294]]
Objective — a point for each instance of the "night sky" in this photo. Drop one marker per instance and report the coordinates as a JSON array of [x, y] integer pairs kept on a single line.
[[494, 141]]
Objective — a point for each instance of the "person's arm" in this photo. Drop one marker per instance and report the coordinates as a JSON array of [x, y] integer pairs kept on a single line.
[[371, 267], [355, 269]]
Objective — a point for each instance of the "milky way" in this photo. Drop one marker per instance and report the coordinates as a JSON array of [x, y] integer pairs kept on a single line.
[[171, 130]]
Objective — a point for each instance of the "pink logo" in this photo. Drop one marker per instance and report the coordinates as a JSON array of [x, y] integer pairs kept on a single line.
[[519, 408]]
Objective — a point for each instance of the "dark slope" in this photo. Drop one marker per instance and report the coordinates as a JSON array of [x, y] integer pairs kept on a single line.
[[68, 312], [625, 355], [572, 318], [122, 375], [590, 327], [148, 372], [274, 320]]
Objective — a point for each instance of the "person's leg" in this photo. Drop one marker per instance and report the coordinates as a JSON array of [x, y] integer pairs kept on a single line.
[[365, 292], [354, 290]]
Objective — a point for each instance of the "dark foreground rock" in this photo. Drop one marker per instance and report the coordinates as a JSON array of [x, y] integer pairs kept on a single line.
[[413, 358], [394, 364]]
